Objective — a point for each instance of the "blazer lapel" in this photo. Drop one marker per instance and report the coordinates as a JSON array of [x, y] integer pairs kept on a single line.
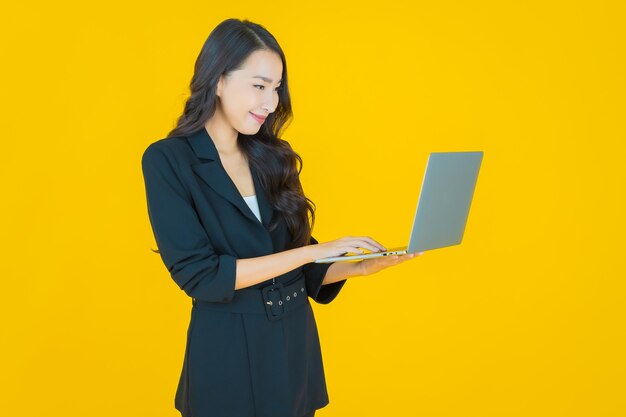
[[213, 173]]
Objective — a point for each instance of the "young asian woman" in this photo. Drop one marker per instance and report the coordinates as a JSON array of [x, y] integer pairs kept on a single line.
[[231, 222]]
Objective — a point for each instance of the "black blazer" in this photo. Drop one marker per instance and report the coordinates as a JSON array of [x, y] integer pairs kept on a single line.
[[201, 225]]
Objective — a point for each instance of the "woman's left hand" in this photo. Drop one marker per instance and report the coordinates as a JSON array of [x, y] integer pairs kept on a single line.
[[373, 265]]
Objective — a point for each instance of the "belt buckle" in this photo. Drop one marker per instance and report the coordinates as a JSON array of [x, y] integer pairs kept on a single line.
[[273, 301]]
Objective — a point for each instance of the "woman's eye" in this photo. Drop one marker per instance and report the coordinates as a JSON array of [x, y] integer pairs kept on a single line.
[[277, 88]]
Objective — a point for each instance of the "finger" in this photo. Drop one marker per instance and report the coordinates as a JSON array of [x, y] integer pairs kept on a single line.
[[366, 242], [357, 247], [369, 243], [352, 250], [375, 243]]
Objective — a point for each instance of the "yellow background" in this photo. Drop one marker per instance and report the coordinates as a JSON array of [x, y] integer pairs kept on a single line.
[[524, 318]]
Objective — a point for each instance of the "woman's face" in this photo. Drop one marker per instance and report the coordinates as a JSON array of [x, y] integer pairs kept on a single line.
[[251, 90]]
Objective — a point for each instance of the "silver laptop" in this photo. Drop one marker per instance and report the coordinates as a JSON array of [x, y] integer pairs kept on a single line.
[[443, 206]]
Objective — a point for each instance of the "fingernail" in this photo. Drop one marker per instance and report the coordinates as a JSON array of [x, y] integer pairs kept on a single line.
[[420, 253]]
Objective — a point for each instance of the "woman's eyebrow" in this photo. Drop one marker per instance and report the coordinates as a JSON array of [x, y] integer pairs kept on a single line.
[[267, 80]]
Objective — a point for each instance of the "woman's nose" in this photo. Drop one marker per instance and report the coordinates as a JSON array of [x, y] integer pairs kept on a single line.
[[270, 104]]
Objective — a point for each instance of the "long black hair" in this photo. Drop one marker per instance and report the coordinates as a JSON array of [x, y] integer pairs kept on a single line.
[[278, 165]]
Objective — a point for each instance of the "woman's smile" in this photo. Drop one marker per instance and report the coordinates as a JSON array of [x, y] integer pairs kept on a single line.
[[257, 118]]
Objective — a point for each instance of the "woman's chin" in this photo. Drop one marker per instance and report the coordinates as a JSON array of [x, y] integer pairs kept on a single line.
[[250, 130]]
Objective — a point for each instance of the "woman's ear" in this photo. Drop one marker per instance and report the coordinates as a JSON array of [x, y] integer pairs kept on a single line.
[[220, 83]]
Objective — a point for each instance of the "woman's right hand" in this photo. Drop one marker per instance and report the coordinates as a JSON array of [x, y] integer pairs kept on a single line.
[[341, 246]]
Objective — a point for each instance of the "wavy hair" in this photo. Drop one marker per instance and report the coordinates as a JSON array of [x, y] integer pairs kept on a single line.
[[277, 164]]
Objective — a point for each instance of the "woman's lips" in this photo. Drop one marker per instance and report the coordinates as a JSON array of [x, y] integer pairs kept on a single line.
[[257, 118]]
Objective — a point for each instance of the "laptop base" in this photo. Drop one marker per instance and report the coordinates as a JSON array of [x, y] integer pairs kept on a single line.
[[400, 250]]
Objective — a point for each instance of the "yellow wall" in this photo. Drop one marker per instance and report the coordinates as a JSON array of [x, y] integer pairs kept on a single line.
[[524, 318]]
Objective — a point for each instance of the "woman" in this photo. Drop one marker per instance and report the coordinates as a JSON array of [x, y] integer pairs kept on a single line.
[[231, 223]]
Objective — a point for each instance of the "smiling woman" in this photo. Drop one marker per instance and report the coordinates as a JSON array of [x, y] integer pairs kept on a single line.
[[240, 88], [231, 223]]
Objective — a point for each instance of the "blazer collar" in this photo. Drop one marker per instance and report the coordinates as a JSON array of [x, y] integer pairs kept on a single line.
[[211, 170]]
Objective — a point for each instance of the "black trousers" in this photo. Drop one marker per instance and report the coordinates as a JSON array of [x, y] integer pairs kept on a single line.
[[311, 414]]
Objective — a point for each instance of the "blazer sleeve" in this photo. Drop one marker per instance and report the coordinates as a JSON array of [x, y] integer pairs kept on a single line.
[[184, 245], [314, 274]]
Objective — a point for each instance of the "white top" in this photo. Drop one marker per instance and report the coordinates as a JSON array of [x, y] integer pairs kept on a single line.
[[254, 205]]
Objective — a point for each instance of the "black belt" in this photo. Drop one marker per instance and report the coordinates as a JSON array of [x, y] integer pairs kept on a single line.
[[273, 300]]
